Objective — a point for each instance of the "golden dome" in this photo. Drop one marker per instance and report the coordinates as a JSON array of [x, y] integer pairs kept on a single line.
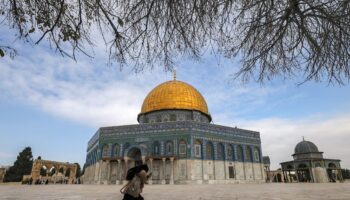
[[174, 95]]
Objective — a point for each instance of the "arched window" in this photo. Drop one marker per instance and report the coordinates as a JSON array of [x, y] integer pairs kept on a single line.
[[169, 148], [67, 174], [332, 166], [116, 150], [229, 152], [125, 147], [198, 149], [156, 148], [165, 118], [220, 151], [256, 154], [248, 154], [172, 117], [303, 166], [239, 153], [182, 147], [210, 151], [159, 118], [61, 170], [43, 171], [52, 171], [318, 164], [105, 151]]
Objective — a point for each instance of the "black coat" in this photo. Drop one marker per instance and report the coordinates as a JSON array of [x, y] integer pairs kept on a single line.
[[129, 197]]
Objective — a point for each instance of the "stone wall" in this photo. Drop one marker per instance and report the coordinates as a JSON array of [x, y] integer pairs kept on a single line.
[[49, 166], [185, 171], [320, 175], [2, 174]]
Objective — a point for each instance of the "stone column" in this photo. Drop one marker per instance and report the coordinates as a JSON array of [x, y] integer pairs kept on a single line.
[[297, 175], [172, 171], [311, 175], [253, 161], [224, 160], [235, 161], [261, 170], [150, 169], [119, 172], [100, 171], [143, 159], [126, 169], [340, 176], [108, 178], [244, 161], [204, 159], [289, 177], [163, 178], [95, 170]]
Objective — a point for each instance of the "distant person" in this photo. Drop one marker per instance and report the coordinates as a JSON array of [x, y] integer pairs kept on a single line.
[[137, 177]]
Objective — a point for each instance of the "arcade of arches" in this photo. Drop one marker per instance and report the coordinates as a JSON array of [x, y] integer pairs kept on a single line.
[[219, 163], [53, 172]]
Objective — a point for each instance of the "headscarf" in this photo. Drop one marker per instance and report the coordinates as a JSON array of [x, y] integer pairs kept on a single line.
[[135, 185]]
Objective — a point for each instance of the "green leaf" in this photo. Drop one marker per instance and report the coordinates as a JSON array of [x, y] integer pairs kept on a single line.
[[2, 54], [120, 22]]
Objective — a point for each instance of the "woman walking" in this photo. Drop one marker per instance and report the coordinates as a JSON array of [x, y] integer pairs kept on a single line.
[[137, 177]]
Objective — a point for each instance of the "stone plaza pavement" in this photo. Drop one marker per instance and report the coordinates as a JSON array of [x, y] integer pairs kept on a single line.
[[271, 191]]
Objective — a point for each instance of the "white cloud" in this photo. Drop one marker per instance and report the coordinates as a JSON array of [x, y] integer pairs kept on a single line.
[[78, 91], [97, 95], [6, 155]]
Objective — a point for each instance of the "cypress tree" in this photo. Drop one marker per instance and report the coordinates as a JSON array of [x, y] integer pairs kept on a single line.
[[345, 173], [78, 174], [22, 166]]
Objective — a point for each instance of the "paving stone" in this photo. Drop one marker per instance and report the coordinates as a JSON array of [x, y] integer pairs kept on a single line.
[[268, 191]]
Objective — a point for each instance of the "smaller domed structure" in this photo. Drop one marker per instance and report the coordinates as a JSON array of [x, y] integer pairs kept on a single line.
[[308, 165], [305, 147]]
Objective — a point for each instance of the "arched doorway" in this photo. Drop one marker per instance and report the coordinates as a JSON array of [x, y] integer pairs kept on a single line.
[[290, 174], [332, 172], [278, 178], [303, 173], [52, 171], [135, 156]]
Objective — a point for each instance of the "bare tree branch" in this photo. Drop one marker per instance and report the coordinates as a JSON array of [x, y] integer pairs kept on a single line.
[[272, 38]]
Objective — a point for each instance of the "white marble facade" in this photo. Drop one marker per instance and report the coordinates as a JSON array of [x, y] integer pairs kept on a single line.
[[183, 171]]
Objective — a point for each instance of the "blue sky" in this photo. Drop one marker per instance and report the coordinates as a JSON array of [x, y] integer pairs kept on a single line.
[[55, 104]]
